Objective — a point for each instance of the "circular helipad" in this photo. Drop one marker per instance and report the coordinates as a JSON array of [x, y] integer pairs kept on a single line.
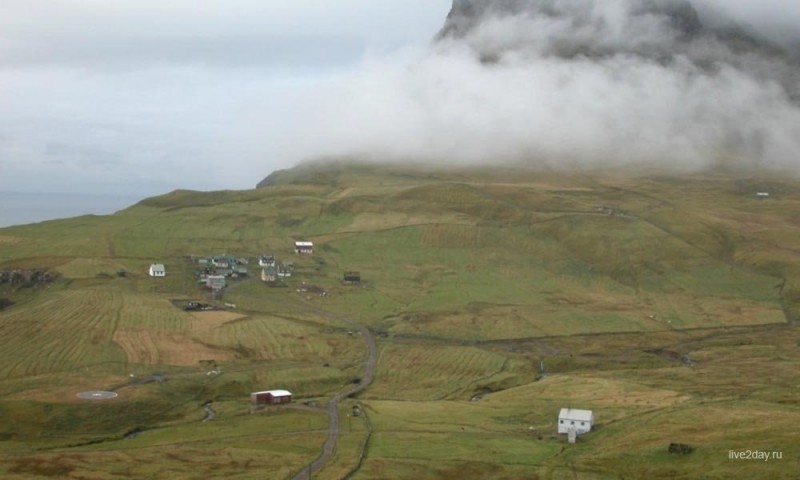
[[97, 395]]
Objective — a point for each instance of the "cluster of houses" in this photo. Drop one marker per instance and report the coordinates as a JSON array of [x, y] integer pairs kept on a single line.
[[214, 271], [272, 270], [217, 269]]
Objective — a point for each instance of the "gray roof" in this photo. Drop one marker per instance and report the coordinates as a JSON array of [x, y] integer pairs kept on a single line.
[[576, 414]]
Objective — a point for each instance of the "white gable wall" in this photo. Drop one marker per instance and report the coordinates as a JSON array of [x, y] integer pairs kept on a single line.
[[581, 420], [157, 270]]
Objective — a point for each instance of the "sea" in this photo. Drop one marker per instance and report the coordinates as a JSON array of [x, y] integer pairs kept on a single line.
[[17, 208]]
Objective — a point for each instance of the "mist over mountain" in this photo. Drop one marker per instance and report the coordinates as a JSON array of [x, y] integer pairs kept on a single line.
[[664, 31], [666, 84]]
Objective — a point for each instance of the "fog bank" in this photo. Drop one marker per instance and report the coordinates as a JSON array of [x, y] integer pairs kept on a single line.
[[571, 82]]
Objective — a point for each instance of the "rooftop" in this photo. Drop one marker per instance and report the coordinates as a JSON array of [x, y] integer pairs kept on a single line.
[[576, 414], [274, 393]]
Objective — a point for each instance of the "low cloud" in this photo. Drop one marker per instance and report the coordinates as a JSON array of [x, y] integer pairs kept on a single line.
[[150, 96], [588, 84]]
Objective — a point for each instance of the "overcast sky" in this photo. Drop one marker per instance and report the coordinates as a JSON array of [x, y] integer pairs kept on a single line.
[[146, 96], [152, 95]]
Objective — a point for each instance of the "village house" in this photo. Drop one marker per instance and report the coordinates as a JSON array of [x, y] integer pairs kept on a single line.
[[266, 260], [284, 270], [352, 277], [268, 274], [215, 282], [226, 265], [581, 420], [271, 397], [221, 261], [157, 270], [306, 248]]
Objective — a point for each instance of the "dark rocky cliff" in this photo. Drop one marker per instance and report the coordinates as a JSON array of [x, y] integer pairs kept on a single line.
[[658, 29]]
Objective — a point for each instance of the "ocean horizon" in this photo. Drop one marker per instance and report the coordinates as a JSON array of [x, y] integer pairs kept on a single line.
[[22, 208]]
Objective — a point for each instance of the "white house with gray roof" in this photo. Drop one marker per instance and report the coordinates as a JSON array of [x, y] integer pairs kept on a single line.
[[581, 420], [158, 270]]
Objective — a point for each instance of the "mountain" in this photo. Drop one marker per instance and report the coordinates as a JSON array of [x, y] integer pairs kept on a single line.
[[660, 31]]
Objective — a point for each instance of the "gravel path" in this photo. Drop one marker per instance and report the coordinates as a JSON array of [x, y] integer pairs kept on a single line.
[[333, 405], [210, 413]]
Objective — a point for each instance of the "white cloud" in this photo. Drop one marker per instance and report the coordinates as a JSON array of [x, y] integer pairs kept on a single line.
[[148, 96], [643, 97]]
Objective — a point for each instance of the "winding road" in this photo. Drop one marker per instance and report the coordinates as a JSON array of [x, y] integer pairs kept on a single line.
[[333, 405]]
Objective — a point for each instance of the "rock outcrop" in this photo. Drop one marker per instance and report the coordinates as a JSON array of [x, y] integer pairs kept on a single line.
[[26, 278]]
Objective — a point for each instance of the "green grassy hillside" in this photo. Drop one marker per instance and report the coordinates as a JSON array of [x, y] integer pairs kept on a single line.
[[665, 303]]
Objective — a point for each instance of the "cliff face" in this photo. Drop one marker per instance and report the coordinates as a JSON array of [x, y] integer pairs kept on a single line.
[[467, 14], [662, 31]]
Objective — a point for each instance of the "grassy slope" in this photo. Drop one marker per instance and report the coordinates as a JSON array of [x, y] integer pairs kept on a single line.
[[472, 277]]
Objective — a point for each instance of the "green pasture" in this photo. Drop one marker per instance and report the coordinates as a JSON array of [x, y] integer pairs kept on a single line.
[[424, 373], [666, 304], [235, 444]]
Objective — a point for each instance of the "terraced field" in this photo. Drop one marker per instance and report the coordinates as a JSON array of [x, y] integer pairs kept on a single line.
[[418, 373]]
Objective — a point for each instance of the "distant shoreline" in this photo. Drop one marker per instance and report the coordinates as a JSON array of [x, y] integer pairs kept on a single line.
[[21, 208]]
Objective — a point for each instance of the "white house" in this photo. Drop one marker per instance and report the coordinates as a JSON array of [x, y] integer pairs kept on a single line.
[[581, 420], [158, 270]]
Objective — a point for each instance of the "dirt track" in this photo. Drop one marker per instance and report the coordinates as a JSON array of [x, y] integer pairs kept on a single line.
[[333, 405]]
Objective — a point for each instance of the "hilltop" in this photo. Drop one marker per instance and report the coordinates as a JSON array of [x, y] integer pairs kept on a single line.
[[654, 299], [665, 32]]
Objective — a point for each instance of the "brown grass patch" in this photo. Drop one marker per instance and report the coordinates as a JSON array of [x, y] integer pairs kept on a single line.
[[368, 221], [343, 193], [204, 321], [451, 236], [147, 348], [9, 240], [56, 466]]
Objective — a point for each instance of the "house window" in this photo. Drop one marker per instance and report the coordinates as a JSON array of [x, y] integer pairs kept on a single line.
[[583, 423], [572, 423], [561, 421]]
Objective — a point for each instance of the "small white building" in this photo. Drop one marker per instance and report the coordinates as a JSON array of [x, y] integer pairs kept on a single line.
[[158, 270], [304, 247], [581, 420]]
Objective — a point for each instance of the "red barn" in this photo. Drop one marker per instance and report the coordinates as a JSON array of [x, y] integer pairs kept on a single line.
[[271, 397]]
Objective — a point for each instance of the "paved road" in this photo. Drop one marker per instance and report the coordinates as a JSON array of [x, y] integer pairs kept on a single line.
[[333, 405]]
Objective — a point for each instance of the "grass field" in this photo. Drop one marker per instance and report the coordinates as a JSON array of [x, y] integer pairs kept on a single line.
[[666, 304]]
